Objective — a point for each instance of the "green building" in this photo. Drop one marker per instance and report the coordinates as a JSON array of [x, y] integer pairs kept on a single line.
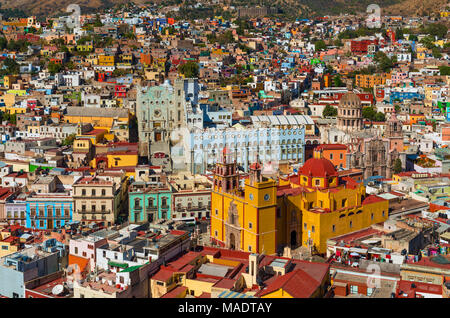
[[148, 202]]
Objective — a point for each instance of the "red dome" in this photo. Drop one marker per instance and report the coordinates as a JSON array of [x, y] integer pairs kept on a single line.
[[318, 168]]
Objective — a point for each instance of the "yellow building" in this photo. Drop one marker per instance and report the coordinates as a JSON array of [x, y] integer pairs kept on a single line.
[[7, 244], [106, 60], [115, 159], [85, 47], [8, 99], [9, 80], [305, 209], [94, 136], [370, 80], [243, 219], [17, 92], [100, 118]]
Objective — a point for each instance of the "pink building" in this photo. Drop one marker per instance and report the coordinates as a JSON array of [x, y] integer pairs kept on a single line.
[[86, 248], [398, 77]]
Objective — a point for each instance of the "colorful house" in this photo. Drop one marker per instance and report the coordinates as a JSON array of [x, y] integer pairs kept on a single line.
[[48, 211], [148, 203]]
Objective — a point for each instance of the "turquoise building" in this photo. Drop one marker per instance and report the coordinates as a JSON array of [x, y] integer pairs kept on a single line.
[[49, 211], [148, 202]]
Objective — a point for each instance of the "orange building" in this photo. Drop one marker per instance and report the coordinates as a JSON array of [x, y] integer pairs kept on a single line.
[[146, 59], [446, 133], [333, 152], [327, 80], [415, 118]]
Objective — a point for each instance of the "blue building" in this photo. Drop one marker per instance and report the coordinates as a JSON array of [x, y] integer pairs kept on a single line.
[[48, 211], [401, 96], [275, 139]]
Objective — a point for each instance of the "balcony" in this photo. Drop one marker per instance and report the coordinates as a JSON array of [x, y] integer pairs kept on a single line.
[[55, 217], [94, 212]]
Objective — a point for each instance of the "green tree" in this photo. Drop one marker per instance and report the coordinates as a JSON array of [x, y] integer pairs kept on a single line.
[[369, 113], [189, 69], [329, 111], [397, 108], [384, 62], [338, 81], [397, 166], [3, 43], [12, 67], [54, 68], [69, 140], [338, 43], [10, 118], [320, 45], [226, 37], [444, 70], [97, 22], [379, 117], [437, 29], [428, 42], [436, 52]]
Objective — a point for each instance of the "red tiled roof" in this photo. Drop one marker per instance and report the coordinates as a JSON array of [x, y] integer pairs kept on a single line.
[[372, 199], [407, 287], [331, 147], [163, 275], [435, 207], [318, 168], [226, 283], [297, 283], [174, 292], [176, 232]]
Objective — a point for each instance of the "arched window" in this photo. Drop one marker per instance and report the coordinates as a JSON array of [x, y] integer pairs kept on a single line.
[[137, 203]]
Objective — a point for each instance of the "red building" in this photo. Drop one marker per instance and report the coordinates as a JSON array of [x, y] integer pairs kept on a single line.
[[360, 46], [120, 91]]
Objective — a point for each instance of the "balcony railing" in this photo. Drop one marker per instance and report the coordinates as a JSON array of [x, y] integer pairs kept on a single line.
[[147, 208], [94, 211], [43, 217]]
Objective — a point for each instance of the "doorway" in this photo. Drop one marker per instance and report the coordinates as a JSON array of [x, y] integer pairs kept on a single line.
[[232, 241], [293, 239]]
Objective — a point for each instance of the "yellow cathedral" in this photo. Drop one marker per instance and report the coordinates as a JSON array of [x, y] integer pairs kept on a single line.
[[303, 209]]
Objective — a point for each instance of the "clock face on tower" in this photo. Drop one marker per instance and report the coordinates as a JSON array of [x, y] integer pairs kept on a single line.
[[157, 113]]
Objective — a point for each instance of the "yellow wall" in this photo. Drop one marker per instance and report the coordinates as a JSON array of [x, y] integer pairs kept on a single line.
[[82, 145], [106, 60], [123, 160], [8, 99], [280, 293], [198, 286], [257, 212], [97, 122], [9, 249]]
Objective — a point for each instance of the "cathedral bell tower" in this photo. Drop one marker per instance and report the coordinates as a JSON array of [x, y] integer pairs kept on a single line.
[[226, 175], [394, 133]]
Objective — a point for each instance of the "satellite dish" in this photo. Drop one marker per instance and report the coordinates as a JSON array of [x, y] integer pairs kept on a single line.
[[57, 290]]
